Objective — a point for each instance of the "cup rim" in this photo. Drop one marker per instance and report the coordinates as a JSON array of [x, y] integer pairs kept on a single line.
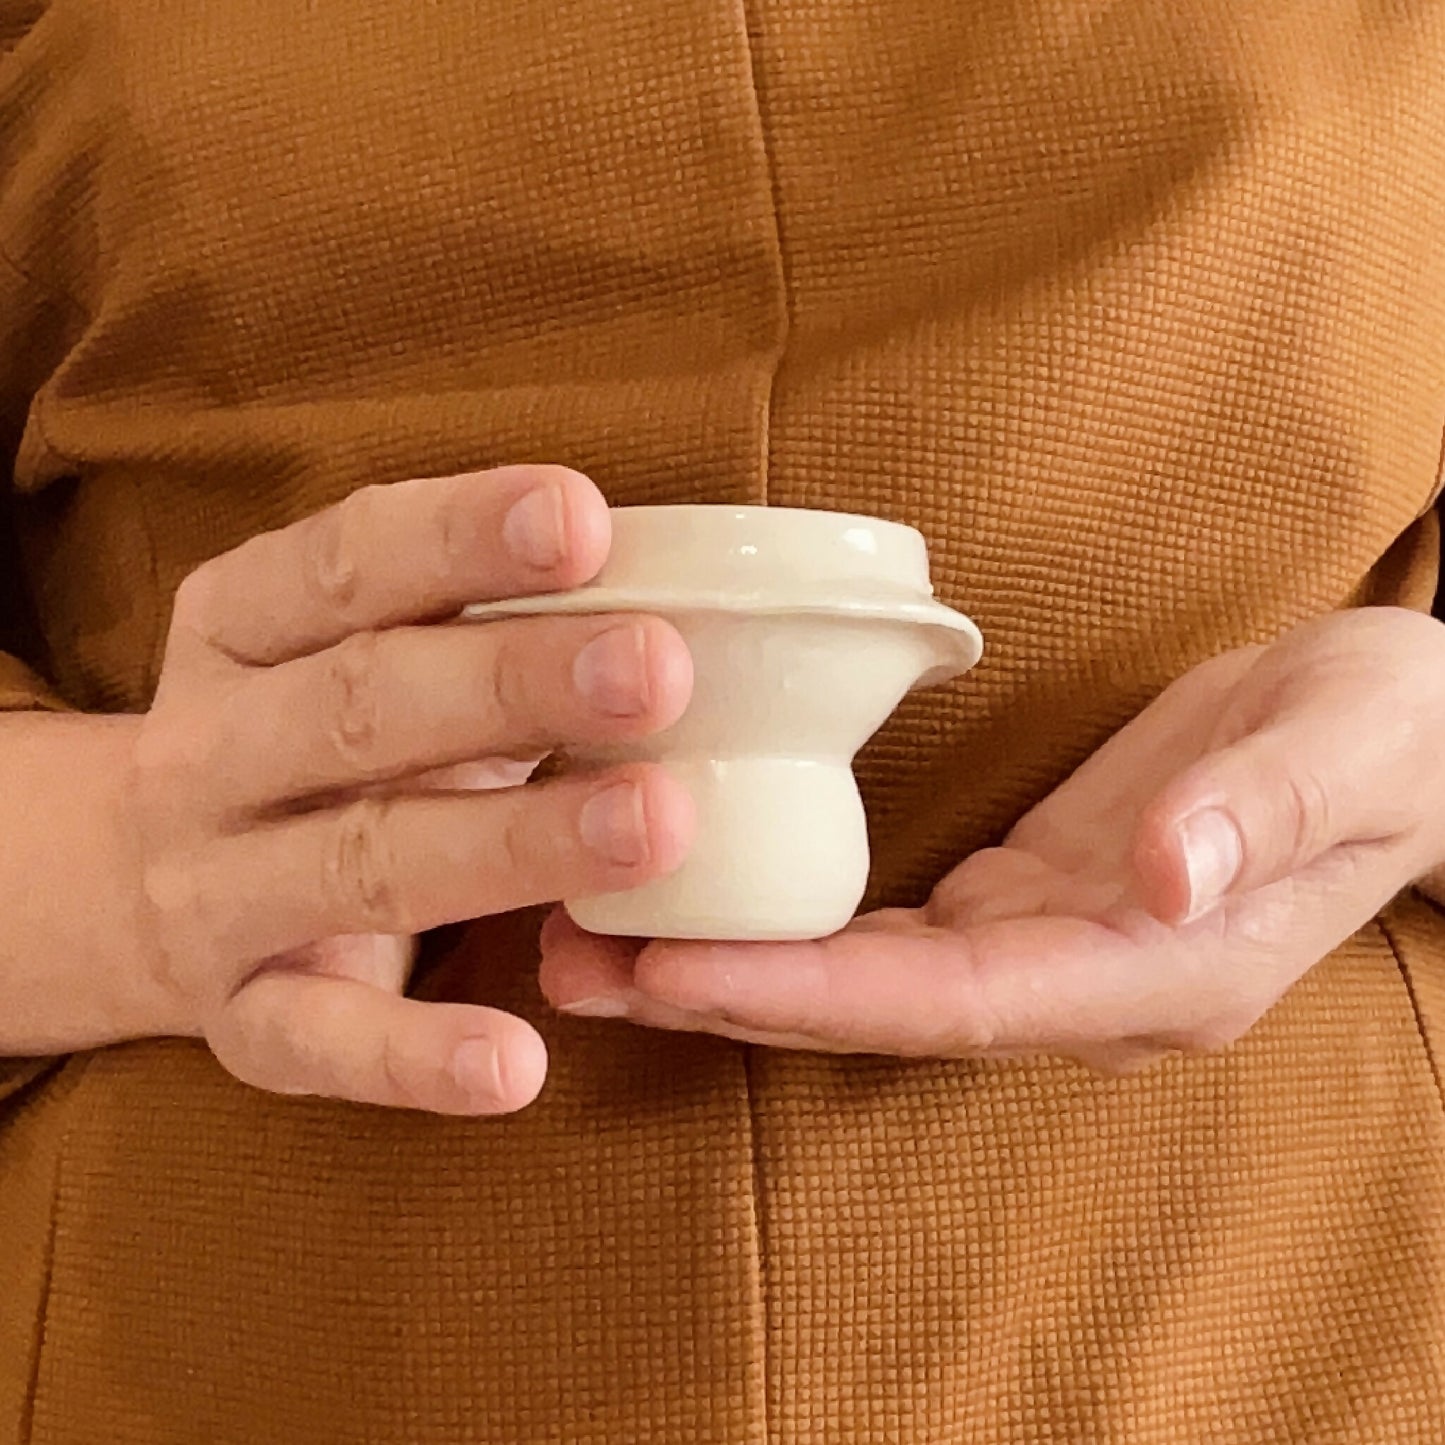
[[757, 511], [721, 546]]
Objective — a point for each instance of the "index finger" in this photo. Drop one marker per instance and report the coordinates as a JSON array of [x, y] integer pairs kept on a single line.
[[403, 552]]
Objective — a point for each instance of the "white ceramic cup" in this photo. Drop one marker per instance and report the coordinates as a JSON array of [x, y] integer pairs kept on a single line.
[[806, 630]]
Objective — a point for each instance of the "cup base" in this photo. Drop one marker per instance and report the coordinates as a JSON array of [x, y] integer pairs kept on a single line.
[[781, 855], [631, 919]]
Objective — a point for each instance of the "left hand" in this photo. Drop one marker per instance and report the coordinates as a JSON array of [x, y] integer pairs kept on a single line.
[[1259, 812]]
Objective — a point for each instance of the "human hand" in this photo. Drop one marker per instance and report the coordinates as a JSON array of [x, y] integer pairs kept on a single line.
[[1250, 820], [322, 776]]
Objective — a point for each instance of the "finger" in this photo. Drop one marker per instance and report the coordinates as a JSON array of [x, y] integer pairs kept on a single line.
[[1332, 741], [1135, 762], [588, 976], [1002, 989], [406, 552], [299, 1033], [384, 705], [406, 864], [572, 992], [648, 1013], [1272, 805], [585, 974], [1059, 985]]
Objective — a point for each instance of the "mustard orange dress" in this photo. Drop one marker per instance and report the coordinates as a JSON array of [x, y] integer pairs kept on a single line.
[[1137, 309]]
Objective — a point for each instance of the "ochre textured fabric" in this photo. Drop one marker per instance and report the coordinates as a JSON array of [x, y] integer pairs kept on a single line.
[[1137, 310]]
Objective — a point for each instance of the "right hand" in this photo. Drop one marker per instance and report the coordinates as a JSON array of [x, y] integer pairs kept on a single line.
[[311, 787]]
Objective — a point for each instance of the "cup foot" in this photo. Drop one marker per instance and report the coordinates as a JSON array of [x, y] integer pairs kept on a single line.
[[621, 916], [781, 855]]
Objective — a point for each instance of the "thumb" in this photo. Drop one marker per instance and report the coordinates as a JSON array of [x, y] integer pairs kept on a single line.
[[1269, 806]]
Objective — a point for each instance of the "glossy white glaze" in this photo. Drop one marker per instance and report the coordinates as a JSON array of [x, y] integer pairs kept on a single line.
[[806, 629]]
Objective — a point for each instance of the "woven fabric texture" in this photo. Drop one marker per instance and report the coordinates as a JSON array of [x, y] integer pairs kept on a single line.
[[1137, 310]]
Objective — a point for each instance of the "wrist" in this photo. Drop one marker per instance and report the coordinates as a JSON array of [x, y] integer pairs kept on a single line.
[[75, 968]]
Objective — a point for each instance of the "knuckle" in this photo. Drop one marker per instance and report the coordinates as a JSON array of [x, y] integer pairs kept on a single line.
[[969, 1019], [353, 689], [964, 1039], [183, 920], [461, 533], [1309, 811], [359, 870], [524, 847], [153, 756], [395, 1076], [333, 550], [190, 606], [508, 695], [967, 1029], [179, 754], [174, 895]]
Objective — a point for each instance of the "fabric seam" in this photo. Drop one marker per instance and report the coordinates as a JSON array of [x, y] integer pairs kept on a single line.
[[42, 1322], [751, 31], [760, 1232], [42, 1314], [1426, 1043], [159, 615], [72, 465]]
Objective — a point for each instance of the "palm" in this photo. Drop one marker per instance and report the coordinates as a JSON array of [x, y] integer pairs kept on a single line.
[[1116, 920]]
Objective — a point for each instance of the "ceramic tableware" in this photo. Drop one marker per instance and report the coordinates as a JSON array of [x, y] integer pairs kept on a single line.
[[806, 630]]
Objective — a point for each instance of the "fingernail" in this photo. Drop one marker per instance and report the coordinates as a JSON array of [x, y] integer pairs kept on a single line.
[[611, 671], [1213, 854], [600, 1007], [535, 530], [477, 1068], [613, 824]]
